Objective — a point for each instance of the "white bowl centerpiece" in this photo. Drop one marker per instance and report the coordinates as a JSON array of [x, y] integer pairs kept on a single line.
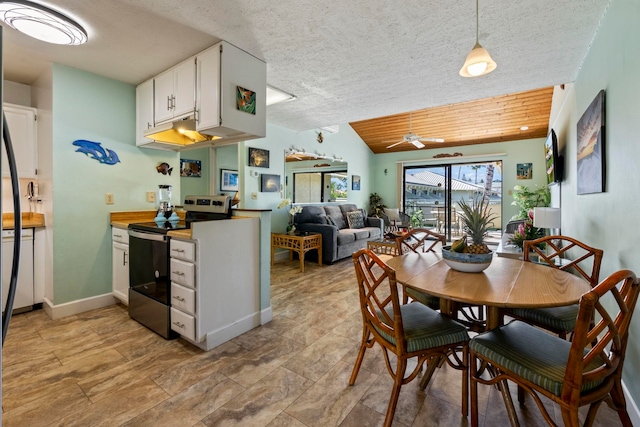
[[476, 256]]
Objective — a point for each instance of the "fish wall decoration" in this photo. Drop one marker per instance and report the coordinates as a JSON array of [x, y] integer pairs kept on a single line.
[[164, 168], [96, 151]]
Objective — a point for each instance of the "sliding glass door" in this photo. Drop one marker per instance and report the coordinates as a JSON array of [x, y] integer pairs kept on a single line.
[[431, 193]]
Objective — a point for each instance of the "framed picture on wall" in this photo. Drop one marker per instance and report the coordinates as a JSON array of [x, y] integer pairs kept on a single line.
[[591, 148], [269, 183], [190, 168], [355, 182], [228, 180], [258, 157], [524, 171]]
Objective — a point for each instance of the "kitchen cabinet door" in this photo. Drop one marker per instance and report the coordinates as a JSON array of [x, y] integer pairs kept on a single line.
[[208, 85], [174, 92], [120, 272], [144, 111], [23, 132]]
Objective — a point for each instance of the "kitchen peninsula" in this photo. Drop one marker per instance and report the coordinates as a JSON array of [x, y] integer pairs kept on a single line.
[[216, 275]]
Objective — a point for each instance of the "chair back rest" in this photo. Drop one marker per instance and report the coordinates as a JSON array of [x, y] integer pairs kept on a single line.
[[601, 363], [379, 301], [419, 240], [554, 248]]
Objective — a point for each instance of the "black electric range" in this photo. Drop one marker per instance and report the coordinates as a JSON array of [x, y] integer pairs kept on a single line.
[[159, 226]]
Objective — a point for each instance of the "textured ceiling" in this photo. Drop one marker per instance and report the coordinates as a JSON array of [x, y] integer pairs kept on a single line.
[[346, 61]]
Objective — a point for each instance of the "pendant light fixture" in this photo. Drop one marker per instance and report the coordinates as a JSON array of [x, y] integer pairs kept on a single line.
[[478, 61], [41, 22]]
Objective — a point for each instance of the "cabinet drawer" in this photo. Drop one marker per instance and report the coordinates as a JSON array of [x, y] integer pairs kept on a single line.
[[183, 250], [183, 324], [119, 235], [183, 298], [183, 272]]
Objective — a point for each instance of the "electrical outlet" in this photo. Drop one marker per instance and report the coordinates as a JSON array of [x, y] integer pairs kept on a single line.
[[510, 192], [108, 199], [151, 196], [254, 196]]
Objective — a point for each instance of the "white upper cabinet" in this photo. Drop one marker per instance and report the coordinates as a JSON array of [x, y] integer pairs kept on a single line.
[[144, 111], [23, 131], [175, 92], [224, 73]]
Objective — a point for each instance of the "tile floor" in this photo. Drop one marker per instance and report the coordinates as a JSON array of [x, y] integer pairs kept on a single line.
[[101, 368]]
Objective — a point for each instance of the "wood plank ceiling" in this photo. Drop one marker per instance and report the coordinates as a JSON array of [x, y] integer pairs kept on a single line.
[[482, 121]]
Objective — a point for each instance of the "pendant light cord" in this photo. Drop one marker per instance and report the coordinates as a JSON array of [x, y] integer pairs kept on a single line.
[[477, 38]]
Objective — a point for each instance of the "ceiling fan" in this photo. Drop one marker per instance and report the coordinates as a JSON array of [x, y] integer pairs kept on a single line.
[[414, 139]]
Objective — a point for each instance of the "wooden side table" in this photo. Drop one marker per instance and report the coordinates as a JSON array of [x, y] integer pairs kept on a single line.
[[300, 244]]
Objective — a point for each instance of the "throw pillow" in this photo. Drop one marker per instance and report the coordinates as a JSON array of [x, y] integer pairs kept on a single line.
[[330, 220], [392, 214], [355, 219]]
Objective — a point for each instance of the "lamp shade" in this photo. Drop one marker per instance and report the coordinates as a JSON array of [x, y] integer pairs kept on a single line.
[[546, 217], [478, 62]]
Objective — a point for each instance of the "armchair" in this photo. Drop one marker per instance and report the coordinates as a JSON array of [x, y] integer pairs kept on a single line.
[[394, 219]]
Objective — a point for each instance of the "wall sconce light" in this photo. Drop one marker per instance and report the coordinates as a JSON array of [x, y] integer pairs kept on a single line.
[[41, 22]]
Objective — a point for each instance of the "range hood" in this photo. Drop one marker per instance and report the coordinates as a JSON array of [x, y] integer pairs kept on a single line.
[[181, 133]]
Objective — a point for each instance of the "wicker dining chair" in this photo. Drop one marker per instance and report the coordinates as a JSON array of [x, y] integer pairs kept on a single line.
[[584, 371], [585, 262], [419, 240], [406, 331]]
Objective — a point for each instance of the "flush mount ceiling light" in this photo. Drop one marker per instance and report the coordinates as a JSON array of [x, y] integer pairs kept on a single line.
[[41, 22], [478, 61], [275, 95]]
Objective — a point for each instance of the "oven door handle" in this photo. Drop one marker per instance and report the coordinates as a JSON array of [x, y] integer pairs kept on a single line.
[[148, 236]]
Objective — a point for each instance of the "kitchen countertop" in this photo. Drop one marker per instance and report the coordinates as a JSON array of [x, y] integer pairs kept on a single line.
[[29, 220], [123, 219]]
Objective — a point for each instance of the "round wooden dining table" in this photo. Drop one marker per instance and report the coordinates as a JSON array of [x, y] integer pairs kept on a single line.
[[506, 283]]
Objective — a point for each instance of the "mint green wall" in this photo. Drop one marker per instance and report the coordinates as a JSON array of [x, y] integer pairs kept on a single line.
[[190, 185], [346, 143], [608, 220], [511, 153], [87, 106]]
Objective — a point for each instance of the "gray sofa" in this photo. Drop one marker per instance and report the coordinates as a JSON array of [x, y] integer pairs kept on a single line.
[[338, 239]]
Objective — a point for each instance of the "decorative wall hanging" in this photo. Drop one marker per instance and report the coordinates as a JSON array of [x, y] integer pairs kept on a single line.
[[164, 168], [246, 100], [320, 138], [591, 148], [355, 182], [258, 158], [269, 183], [190, 168], [524, 170], [228, 180], [96, 151]]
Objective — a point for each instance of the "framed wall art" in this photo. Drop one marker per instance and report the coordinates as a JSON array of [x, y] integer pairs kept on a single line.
[[524, 170], [269, 183], [355, 182], [190, 168], [258, 157], [245, 100], [228, 180], [591, 148]]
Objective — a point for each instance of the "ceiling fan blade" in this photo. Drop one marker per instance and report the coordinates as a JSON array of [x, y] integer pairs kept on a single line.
[[432, 139], [393, 145], [417, 143]]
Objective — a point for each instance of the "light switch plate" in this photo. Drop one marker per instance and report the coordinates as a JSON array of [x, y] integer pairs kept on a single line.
[[108, 199], [254, 196], [151, 196]]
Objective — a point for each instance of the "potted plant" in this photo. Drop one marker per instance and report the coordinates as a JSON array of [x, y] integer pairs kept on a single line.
[[477, 219], [526, 199], [375, 205]]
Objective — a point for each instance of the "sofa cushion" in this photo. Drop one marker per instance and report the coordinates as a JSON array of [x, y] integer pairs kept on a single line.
[[348, 207], [392, 214], [336, 216], [360, 233], [374, 232], [311, 215], [355, 219], [346, 236]]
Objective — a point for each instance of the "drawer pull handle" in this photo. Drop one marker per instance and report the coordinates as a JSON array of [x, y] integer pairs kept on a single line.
[[178, 273], [180, 251], [178, 298], [117, 235], [179, 325]]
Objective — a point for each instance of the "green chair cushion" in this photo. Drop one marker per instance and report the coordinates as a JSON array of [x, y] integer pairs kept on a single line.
[[426, 299], [530, 353], [556, 318], [425, 328]]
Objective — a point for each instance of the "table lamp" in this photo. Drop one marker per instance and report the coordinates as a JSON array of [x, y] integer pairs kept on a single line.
[[546, 218]]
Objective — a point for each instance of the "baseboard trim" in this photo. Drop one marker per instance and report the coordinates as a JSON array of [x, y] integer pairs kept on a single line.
[[228, 332], [76, 307], [266, 315], [632, 408]]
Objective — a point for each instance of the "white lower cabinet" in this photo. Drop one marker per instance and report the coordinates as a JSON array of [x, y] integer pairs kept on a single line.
[[120, 264], [183, 324], [183, 288]]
